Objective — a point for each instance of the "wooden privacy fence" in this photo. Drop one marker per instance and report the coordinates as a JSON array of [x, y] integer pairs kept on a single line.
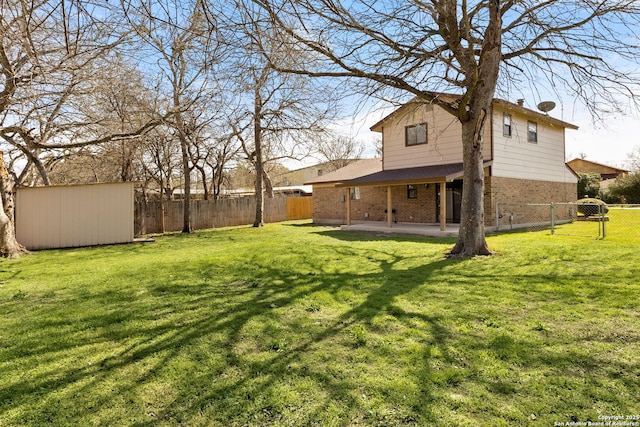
[[299, 207], [167, 216]]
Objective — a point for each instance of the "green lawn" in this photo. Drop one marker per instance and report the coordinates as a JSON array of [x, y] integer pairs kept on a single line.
[[299, 325]]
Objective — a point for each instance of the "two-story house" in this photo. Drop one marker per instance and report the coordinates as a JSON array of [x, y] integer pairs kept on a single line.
[[524, 163]]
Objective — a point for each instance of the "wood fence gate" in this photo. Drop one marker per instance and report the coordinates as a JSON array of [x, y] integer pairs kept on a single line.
[[299, 207]]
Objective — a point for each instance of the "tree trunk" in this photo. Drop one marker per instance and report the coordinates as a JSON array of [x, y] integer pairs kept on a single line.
[[268, 185], [186, 169], [205, 187], [186, 218], [257, 134], [476, 109], [471, 240], [9, 246]]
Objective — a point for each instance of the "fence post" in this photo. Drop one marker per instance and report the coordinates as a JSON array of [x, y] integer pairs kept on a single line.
[[497, 216], [553, 218], [603, 221]]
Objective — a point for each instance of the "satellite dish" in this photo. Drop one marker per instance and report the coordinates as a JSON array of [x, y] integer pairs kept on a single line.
[[546, 106]]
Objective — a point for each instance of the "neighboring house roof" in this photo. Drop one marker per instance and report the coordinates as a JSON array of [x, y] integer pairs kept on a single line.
[[353, 170], [422, 175], [307, 173], [509, 106], [582, 165]]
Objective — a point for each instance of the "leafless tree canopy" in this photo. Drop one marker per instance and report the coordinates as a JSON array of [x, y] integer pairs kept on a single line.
[[339, 151], [424, 48]]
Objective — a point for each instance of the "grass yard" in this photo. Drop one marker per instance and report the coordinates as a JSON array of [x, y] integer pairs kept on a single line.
[[299, 325]]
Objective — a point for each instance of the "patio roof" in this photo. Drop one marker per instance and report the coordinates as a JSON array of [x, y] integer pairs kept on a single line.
[[417, 175]]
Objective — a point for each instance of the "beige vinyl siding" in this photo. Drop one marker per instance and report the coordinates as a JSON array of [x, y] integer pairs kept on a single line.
[[515, 157], [444, 141], [73, 216]]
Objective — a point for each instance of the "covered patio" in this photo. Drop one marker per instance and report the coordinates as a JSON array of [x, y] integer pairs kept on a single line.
[[439, 175]]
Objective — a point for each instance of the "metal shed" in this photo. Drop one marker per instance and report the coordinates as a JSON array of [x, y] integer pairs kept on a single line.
[[75, 215]]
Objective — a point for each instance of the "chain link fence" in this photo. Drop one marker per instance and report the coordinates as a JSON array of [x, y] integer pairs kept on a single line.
[[571, 219]]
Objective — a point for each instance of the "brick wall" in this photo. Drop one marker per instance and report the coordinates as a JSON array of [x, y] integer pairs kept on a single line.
[[421, 209], [329, 206], [372, 202], [512, 194]]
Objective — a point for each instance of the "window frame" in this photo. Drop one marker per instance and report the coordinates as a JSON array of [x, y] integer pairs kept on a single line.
[[407, 129], [412, 191], [507, 129], [354, 193], [532, 136]]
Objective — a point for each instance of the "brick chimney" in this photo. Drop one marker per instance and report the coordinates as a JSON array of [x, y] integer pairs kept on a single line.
[[520, 102]]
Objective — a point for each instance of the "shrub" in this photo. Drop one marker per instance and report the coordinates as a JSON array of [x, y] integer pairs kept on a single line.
[[626, 188], [590, 206], [588, 184]]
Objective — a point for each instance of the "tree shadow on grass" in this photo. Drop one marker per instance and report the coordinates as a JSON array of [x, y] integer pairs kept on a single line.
[[277, 344], [148, 335], [335, 391]]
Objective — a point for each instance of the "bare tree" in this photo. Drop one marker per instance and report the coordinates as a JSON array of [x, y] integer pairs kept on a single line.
[[470, 49], [160, 161], [211, 157], [634, 159], [118, 100], [9, 246], [183, 40], [284, 122], [48, 52], [283, 114], [339, 151], [51, 55]]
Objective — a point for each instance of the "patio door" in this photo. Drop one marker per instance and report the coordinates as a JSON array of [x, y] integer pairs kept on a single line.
[[454, 202]]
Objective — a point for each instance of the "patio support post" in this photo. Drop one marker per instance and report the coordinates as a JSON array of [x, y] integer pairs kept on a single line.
[[389, 208], [348, 205], [443, 206]]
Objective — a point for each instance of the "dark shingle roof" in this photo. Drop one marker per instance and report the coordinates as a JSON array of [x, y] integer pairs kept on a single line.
[[422, 174]]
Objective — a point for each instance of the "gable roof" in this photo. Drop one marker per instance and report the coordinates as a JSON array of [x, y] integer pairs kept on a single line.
[[508, 106], [583, 165], [352, 170]]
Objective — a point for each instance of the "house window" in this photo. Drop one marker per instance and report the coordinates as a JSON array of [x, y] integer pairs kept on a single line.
[[319, 172], [506, 128], [354, 193], [415, 135], [412, 191], [532, 132]]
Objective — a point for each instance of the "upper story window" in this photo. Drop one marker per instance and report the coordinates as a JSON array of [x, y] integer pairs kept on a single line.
[[532, 132], [415, 135], [506, 125]]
